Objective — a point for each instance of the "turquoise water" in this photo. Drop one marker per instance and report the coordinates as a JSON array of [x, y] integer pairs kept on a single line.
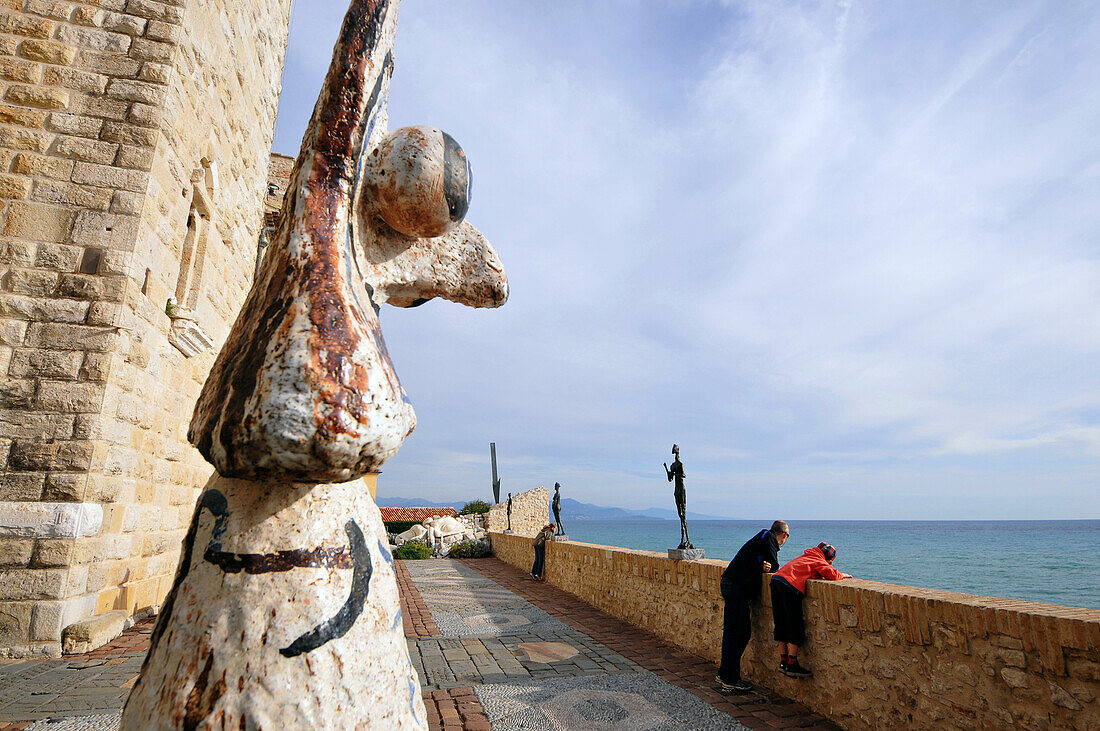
[[1052, 561]]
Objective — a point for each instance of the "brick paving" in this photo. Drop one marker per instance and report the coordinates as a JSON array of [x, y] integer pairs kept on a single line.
[[456, 708], [414, 612]]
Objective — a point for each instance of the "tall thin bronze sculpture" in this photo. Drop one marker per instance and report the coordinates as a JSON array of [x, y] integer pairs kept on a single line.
[[680, 495], [555, 505]]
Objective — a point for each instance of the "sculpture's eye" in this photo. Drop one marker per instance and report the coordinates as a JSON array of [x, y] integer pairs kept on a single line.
[[418, 181]]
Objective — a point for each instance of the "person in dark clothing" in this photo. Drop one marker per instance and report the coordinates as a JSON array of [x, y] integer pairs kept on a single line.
[[740, 586], [540, 550], [788, 587]]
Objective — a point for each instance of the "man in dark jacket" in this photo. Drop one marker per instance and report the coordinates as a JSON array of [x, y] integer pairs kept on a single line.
[[740, 585]]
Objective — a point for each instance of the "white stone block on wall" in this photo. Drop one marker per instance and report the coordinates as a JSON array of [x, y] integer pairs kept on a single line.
[[50, 520], [51, 617]]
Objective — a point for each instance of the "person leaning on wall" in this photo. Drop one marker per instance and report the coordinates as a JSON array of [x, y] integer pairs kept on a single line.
[[741, 584], [788, 587], [540, 550]]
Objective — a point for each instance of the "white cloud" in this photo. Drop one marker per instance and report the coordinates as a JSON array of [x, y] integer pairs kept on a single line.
[[817, 244]]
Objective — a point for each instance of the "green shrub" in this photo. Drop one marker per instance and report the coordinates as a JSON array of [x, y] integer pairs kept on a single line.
[[477, 507], [399, 526], [470, 549], [413, 551]]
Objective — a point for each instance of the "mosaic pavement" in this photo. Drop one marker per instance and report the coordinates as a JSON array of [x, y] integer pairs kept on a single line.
[[532, 671], [641, 702], [107, 722]]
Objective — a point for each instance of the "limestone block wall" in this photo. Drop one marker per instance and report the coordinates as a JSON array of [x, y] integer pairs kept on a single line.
[[529, 511], [886, 656], [134, 142]]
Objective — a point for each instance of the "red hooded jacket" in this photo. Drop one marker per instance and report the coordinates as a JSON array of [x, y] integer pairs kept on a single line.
[[810, 565]]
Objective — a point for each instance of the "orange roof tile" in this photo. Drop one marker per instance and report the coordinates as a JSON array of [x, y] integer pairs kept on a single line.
[[417, 514]]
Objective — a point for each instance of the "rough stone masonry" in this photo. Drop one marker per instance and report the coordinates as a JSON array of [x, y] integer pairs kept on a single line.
[[134, 146]]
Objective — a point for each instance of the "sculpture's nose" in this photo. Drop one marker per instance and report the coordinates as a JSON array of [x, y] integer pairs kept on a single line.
[[460, 266], [481, 281]]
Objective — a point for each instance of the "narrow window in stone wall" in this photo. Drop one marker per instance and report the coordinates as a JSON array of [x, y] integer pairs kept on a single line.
[[187, 334], [261, 246], [193, 259]]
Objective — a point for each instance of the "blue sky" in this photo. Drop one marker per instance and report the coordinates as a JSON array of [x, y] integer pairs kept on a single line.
[[847, 255]]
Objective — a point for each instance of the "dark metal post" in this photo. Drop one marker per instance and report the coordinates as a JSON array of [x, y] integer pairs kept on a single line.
[[496, 480]]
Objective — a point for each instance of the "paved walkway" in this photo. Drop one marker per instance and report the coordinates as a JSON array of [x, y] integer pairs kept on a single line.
[[494, 650], [76, 692], [491, 645]]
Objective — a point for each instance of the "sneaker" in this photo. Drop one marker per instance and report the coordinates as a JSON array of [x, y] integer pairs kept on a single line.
[[795, 670], [739, 686], [783, 666]]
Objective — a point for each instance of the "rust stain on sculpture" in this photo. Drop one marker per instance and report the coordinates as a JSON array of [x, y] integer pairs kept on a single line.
[[334, 339]]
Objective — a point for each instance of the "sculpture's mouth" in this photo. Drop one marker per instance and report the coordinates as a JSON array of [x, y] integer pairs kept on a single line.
[[356, 556]]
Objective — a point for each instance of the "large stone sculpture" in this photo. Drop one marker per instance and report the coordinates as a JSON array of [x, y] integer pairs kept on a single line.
[[284, 612]]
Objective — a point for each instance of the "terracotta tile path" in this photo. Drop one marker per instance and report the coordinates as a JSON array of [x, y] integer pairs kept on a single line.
[[414, 612]]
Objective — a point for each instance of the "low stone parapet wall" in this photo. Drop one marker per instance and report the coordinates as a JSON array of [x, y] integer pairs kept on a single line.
[[884, 656]]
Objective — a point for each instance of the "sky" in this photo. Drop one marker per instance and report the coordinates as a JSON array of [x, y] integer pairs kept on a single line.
[[845, 254]]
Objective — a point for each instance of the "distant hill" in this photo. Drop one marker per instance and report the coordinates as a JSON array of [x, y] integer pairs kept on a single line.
[[570, 509], [577, 510], [416, 502]]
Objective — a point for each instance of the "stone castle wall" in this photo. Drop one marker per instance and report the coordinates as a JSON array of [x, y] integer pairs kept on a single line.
[[529, 511], [134, 147], [886, 656]]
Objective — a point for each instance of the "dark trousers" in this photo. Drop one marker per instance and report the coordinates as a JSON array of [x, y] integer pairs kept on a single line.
[[540, 560], [736, 630], [790, 625]]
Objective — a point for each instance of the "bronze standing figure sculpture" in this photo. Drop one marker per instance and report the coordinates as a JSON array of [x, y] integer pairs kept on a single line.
[[556, 505], [508, 509], [676, 472]]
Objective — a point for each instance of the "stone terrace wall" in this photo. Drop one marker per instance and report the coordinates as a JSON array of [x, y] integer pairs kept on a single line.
[[529, 511], [118, 120], [197, 242], [887, 656]]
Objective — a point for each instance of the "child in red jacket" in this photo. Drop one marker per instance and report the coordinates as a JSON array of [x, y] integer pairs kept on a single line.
[[788, 586]]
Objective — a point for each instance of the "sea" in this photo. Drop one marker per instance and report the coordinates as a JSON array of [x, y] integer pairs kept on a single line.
[[1050, 561]]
